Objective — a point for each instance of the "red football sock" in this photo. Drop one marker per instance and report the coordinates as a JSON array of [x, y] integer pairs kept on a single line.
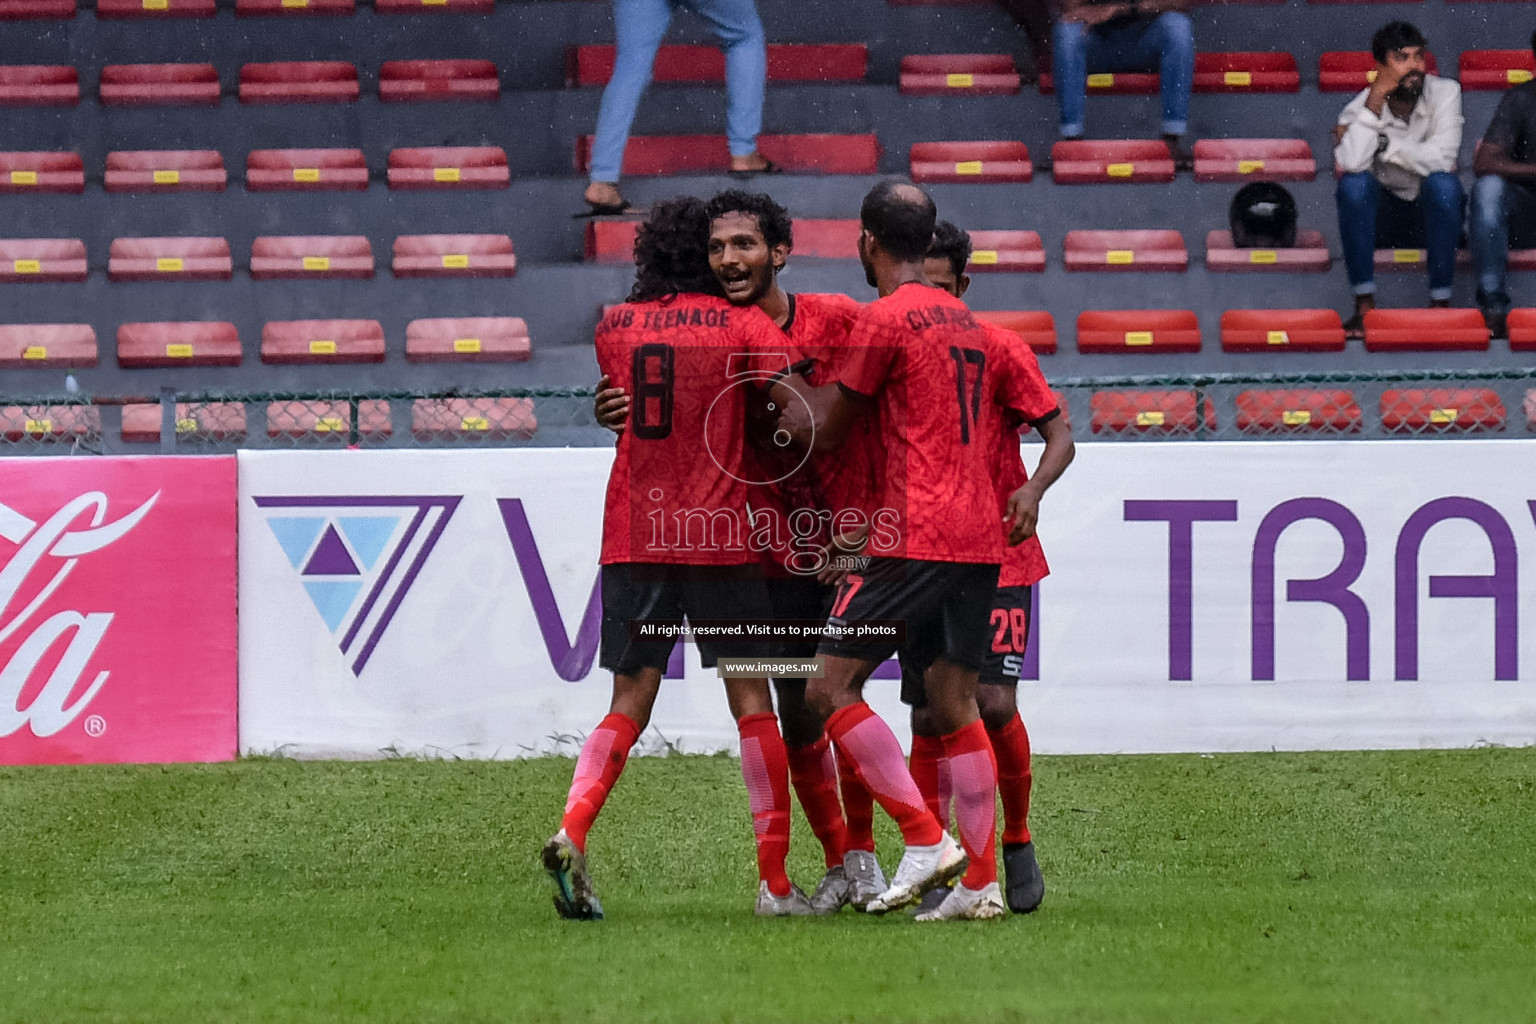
[[813, 773], [765, 768], [875, 752], [858, 805], [1010, 745], [930, 770], [975, 781], [597, 769]]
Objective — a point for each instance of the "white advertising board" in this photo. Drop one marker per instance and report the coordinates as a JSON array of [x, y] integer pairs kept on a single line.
[[1204, 596]]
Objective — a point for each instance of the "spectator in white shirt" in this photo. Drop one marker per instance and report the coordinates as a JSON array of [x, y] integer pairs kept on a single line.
[[1396, 146]]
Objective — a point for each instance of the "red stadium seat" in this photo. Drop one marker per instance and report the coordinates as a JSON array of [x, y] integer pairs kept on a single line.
[[310, 81], [1486, 70], [168, 170], [610, 241], [454, 256], [817, 62], [1243, 160], [1522, 330], [1126, 250], [156, 8], [1138, 330], [1149, 412], [49, 422], [308, 170], [1119, 83], [958, 74], [31, 10], [1400, 260], [194, 343], [314, 420], [210, 421], [322, 341], [41, 172], [42, 259], [144, 85], [496, 339], [159, 259], [1246, 72], [1016, 252], [431, 6], [23, 345], [1281, 330], [1309, 254], [1441, 410], [495, 419], [246, 8], [1288, 411], [707, 154], [311, 256], [1078, 162], [423, 80], [1037, 328], [965, 163], [1519, 259], [1425, 330], [39, 85], [1352, 70], [449, 167], [827, 239]]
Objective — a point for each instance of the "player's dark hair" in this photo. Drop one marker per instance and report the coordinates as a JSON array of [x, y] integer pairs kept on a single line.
[[772, 219], [1394, 35], [952, 244], [900, 216], [672, 251]]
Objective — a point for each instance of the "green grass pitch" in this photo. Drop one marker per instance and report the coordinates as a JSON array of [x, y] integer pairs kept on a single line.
[[1258, 887]]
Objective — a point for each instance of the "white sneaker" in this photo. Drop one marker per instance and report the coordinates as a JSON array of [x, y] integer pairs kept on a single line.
[[865, 879], [984, 904], [831, 893], [921, 869], [793, 905], [575, 899]]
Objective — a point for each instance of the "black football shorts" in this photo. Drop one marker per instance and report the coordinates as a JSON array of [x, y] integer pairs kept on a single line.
[[1007, 640], [946, 603], [669, 593]]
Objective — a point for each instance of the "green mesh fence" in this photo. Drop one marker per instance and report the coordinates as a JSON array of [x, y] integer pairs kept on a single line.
[[1228, 407]]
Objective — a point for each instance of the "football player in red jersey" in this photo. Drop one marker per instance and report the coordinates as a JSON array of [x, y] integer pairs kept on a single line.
[[938, 383], [675, 524], [1023, 566], [750, 240]]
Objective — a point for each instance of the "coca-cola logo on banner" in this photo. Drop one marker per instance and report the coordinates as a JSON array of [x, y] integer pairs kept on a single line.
[[117, 610]]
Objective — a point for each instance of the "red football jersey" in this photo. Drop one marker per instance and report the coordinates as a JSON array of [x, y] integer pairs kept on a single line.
[[940, 382], [677, 492], [1023, 564]]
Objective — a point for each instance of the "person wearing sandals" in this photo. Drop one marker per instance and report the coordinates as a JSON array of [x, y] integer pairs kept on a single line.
[[1395, 147], [639, 27]]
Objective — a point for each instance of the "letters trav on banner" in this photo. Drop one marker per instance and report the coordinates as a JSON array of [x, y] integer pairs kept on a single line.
[[117, 610]]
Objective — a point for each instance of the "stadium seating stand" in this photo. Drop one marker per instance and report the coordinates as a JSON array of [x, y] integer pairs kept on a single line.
[[167, 170], [1298, 411], [959, 74], [1171, 413], [143, 85], [787, 62], [39, 85], [158, 259], [1282, 330], [311, 256], [1490, 70], [25, 260], [454, 256], [1309, 254], [305, 170], [965, 163], [1353, 70], [432, 80], [28, 345], [316, 81], [449, 167], [500, 339], [211, 421], [327, 421], [1082, 162], [1442, 410], [49, 422], [1126, 251], [179, 343], [1245, 160], [496, 419], [1137, 330], [1006, 252], [322, 341], [1425, 330]]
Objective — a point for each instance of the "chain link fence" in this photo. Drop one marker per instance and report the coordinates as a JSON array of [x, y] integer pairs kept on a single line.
[[1227, 407]]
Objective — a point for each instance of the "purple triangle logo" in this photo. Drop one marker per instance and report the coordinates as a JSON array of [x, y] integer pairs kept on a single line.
[[331, 557]]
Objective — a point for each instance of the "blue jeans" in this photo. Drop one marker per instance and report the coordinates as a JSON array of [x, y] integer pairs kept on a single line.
[[1499, 209], [1370, 217], [639, 27], [1165, 44]]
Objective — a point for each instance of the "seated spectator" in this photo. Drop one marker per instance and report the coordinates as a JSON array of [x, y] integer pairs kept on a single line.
[[1396, 146], [639, 27], [1034, 17], [1097, 36], [1504, 198]]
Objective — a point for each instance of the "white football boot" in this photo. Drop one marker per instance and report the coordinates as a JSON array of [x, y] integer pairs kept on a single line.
[[962, 904], [921, 868]]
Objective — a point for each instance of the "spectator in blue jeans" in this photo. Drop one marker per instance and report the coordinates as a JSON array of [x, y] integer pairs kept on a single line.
[[639, 27], [1098, 36], [1504, 198], [1395, 145]]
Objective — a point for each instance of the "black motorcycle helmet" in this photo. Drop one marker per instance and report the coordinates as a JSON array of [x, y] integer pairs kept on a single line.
[[1263, 216]]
